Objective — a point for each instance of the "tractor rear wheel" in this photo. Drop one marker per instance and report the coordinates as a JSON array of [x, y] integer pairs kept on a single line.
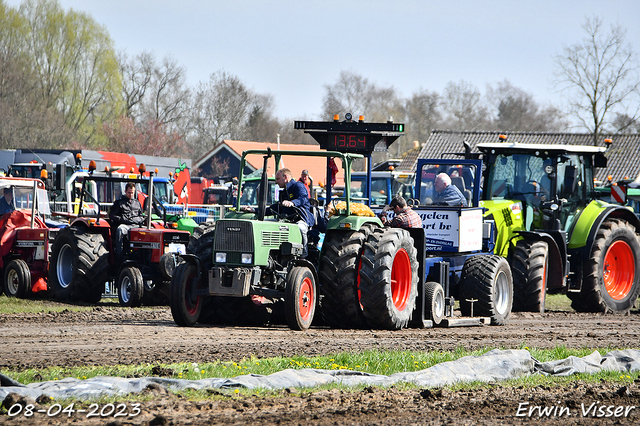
[[611, 275], [79, 265], [17, 279], [530, 262], [130, 287], [486, 288], [300, 298], [389, 278], [434, 302], [185, 304], [340, 278]]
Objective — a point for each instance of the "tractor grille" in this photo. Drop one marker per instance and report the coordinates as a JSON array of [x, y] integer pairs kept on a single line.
[[233, 235], [274, 238]]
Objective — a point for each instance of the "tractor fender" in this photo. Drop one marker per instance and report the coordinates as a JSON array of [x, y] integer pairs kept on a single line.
[[582, 242], [307, 264], [557, 256], [192, 258]]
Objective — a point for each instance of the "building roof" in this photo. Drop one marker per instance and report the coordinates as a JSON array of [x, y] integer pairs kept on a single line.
[[623, 157], [317, 166]]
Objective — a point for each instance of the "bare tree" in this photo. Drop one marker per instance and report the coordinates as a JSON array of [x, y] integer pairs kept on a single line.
[[220, 110], [355, 94], [423, 114], [464, 109], [599, 74], [137, 73], [517, 111], [167, 100]]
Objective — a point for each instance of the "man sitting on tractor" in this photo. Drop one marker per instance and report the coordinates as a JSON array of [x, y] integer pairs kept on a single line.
[[125, 214], [6, 202], [294, 201], [447, 194]]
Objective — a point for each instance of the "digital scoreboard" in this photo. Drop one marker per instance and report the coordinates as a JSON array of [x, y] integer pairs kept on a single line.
[[351, 136]]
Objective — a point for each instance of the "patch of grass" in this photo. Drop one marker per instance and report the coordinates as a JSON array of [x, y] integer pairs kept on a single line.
[[12, 305], [372, 361], [557, 302]]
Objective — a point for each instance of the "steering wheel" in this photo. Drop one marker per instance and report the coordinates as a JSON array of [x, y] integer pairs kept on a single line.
[[536, 184]]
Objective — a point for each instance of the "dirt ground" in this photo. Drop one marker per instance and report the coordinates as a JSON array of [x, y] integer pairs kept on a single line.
[[112, 335]]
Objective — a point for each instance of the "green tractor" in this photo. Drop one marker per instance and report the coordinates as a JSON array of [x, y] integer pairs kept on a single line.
[[245, 259], [555, 232]]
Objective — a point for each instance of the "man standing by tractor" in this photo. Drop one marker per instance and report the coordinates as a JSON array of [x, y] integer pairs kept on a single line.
[[405, 216], [307, 181], [125, 214]]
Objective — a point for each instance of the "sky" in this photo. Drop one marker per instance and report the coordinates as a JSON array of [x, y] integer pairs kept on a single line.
[[293, 49]]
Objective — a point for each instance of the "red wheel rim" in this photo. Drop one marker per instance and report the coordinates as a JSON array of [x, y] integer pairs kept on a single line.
[[306, 299], [191, 287], [401, 279], [619, 269]]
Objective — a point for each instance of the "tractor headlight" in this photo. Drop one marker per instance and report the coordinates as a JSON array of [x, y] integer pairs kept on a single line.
[[221, 257], [246, 258]]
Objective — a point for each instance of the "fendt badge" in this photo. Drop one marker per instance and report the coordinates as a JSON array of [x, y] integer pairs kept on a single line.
[[233, 229]]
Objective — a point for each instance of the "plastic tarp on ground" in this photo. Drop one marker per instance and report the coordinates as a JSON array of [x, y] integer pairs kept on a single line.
[[494, 366]]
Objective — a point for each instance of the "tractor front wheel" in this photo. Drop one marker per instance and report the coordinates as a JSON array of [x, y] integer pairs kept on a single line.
[[389, 278], [130, 287], [434, 301], [300, 298], [17, 279], [530, 262], [185, 304], [611, 275], [486, 288]]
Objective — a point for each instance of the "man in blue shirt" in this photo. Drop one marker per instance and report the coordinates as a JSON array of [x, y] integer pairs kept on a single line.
[[447, 194], [6, 202], [294, 198]]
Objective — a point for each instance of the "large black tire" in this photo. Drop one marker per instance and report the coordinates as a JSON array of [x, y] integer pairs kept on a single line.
[[130, 287], [79, 265], [487, 279], [529, 266], [185, 306], [17, 279], [434, 302], [611, 275], [300, 298], [388, 278], [339, 277], [201, 245]]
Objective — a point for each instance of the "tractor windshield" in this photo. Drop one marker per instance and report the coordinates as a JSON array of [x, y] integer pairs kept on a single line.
[[250, 190], [519, 175]]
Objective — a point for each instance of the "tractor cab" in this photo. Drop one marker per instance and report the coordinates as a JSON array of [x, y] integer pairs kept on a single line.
[[552, 183]]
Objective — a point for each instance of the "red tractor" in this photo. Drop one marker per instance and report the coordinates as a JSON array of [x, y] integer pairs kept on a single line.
[[25, 238], [83, 258]]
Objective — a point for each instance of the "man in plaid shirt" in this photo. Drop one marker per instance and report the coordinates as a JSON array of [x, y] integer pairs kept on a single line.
[[404, 218]]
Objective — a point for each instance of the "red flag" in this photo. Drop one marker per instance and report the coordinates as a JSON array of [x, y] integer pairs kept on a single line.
[[334, 170]]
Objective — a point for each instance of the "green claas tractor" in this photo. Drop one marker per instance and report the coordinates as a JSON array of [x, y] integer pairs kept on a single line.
[[555, 232]]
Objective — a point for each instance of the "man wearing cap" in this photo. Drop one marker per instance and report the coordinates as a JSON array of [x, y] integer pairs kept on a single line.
[[306, 180], [405, 217]]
